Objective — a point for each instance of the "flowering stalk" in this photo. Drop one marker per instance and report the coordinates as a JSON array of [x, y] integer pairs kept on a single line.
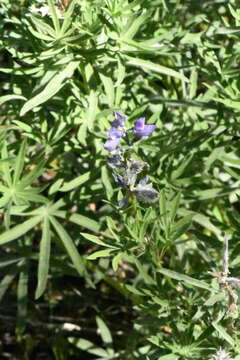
[[127, 171]]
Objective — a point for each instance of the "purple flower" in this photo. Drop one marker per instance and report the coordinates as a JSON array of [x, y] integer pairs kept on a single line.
[[141, 129], [114, 133], [119, 119], [111, 144]]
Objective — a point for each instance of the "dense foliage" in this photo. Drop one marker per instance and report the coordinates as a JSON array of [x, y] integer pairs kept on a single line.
[[89, 270]]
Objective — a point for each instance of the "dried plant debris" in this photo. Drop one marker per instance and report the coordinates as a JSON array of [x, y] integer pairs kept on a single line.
[[228, 284]]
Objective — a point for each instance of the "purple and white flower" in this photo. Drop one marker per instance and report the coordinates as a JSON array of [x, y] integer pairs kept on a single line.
[[115, 133], [111, 144], [119, 119], [140, 129]]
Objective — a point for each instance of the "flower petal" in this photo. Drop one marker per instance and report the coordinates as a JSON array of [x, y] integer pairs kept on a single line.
[[111, 144], [119, 119], [114, 133], [139, 124], [146, 131], [146, 193]]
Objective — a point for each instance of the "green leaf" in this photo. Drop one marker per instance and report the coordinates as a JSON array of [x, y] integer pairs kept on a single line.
[[100, 253], [85, 221], [104, 331], [54, 85], [92, 109], [76, 182], [133, 27], [106, 182], [169, 357], [235, 104], [44, 28], [163, 209], [193, 83], [55, 186], [149, 66], [88, 346], [68, 17], [96, 240], [54, 15], [116, 260], [142, 270], [44, 257], [112, 228], [5, 165], [22, 126], [78, 219], [22, 298], [19, 162], [8, 279], [19, 230], [174, 205], [181, 227], [180, 170], [40, 35], [109, 88], [69, 246], [33, 175], [11, 97], [223, 333], [187, 279], [215, 298]]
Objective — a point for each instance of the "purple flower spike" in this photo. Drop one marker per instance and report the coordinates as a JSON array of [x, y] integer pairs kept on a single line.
[[111, 144], [141, 129], [119, 119], [114, 133]]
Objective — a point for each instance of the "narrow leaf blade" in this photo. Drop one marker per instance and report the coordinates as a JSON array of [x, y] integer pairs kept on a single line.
[[44, 257]]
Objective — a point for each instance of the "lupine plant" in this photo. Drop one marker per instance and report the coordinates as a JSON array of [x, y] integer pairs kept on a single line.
[[119, 179]]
